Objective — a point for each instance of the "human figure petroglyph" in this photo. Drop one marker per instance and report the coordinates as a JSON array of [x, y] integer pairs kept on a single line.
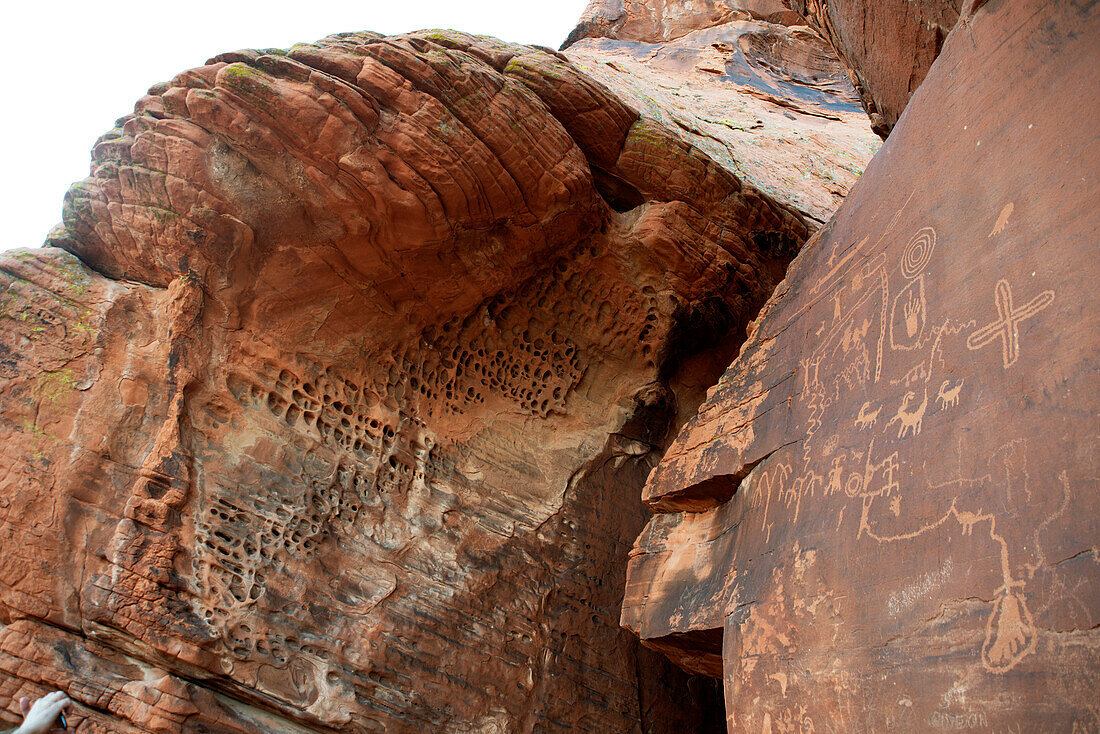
[[1007, 325], [948, 397], [855, 337], [911, 419], [892, 510], [856, 340]]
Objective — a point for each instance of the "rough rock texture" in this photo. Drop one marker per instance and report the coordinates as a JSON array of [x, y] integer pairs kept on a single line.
[[749, 83], [888, 45], [884, 516], [340, 419], [770, 102], [654, 21]]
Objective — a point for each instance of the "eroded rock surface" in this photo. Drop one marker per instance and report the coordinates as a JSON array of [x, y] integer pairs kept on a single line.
[[888, 45], [883, 517], [656, 21], [340, 419], [767, 101], [749, 83]]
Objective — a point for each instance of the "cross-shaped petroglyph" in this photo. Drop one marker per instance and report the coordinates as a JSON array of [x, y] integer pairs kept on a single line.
[[1007, 324]]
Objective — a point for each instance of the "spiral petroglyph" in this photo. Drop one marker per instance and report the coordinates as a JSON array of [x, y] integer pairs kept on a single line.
[[918, 252]]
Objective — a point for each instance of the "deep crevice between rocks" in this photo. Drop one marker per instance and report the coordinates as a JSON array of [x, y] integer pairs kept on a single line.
[[619, 195]]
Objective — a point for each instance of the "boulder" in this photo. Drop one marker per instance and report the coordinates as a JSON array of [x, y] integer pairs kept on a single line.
[[330, 404]]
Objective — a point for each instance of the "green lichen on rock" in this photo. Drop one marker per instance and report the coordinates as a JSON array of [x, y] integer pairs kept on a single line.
[[53, 386], [251, 83]]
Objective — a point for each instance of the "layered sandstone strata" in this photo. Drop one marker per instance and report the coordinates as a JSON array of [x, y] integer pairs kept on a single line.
[[330, 407], [657, 21], [883, 517], [769, 101], [886, 46]]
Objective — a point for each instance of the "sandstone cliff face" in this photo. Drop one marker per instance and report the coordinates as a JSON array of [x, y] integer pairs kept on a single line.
[[771, 103], [883, 517], [331, 408], [655, 21], [749, 83], [340, 420], [888, 45]]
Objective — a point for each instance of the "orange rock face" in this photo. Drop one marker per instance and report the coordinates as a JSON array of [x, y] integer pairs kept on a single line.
[[888, 46], [339, 421], [883, 517], [768, 101], [655, 21]]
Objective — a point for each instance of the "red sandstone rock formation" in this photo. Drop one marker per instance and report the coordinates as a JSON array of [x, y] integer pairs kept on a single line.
[[340, 419], [656, 21], [883, 517], [755, 88], [341, 424], [769, 102], [888, 45]]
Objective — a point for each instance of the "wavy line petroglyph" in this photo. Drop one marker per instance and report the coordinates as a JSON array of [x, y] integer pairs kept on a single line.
[[1010, 632]]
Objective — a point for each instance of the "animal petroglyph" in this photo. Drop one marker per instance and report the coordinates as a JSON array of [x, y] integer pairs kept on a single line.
[[910, 418], [1007, 325], [889, 515], [866, 419], [948, 397], [893, 509]]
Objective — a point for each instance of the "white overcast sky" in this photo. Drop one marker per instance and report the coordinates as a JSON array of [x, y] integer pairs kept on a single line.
[[75, 67]]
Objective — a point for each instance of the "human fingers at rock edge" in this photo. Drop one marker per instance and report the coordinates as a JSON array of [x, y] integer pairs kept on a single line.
[[41, 717]]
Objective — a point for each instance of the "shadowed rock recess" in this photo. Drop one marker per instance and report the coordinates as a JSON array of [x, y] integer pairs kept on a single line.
[[331, 404]]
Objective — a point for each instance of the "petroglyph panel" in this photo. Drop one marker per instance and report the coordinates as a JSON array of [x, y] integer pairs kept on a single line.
[[907, 443]]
